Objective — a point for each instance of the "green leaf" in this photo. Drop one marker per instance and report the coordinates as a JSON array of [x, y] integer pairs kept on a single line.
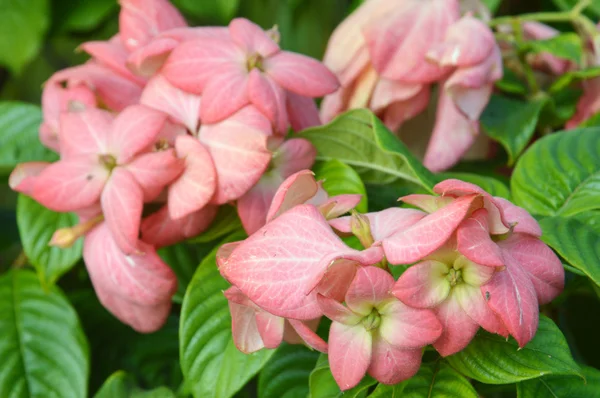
[[215, 10], [561, 107], [567, 78], [492, 185], [339, 179], [387, 391], [511, 122], [19, 142], [566, 5], [82, 15], [122, 385], [36, 226], [43, 349], [492, 4], [562, 386], [323, 385], [226, 222], [560, 174], [576, 242], [359, 139], [286, 374], [511, 83], [22, 28], [565, 45], [211, 363], [490, 359], [183, 258]]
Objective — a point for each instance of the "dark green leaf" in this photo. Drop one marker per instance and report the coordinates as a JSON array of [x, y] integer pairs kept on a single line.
[[359, 139], [286, 373], [82, 15], [491, 359], [43, 349], [323, 385], [19, 142], [387, 391], [511, 122], [121, 385], [339, 179], [22, 28], [511, 83], [565, 46], [560, 174], [183, 258], [36, 226], [562, 386], [492, 4], [561, 107], [211, 364], [492, 185], [226, 222], [221, 11]]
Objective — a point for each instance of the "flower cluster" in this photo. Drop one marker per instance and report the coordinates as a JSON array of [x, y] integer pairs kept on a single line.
[[160, 127], [388, 55], [472, 260]]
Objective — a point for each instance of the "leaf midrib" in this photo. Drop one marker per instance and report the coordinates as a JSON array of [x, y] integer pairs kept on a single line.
[[574, 192]]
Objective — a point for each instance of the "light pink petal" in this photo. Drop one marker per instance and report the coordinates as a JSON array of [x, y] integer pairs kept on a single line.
[[406, 327], [122, 203], [458, 328], [588, 105], [521, 219], [84, 132], [161, 230], [253, 206], [196, 186], [137, 289], [390, 365], [223, 254], [452, 135], [70, 185], [251, 38], [112, 54], [224, 94], [339, 205], [294, 155], [349, 354], [141, 20], [512, 296], [295, 190], [302, 111], [244, 328], [383, 223], [428, 234], [475, 243], [428, 203], [399, 112], [387, 92], [544, 268], [370, 286], [269, 98], [239, 153], [301, 74], [193, 64], [337, 312], [134, 130], [308, 336], [270, 328], [334, 104], [22, 178], [183, 107], [290, 254], [472, 302], [423, 285], [470, 89], [337, 279], [147, 60], [154, 171]]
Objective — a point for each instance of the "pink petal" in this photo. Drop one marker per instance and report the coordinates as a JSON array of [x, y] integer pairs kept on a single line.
[[428, 203], [301, 74], [122, 203], [302, 111], [428, 234], [294, 155], [513, 297], [337, 279], [183, 107], [196, 186], [473, 303], [458, 328], [154, 171], [521, 219], [70, 185], [251, 38], [290, 254], [339, 205], [112, 54], [147, 60], [193, 64], [239, 154], [269, 98], [308, 336], [161, 230], [224, 94], [423, 285], [470, 97], [295, 190], [84, 132], [387, 92], [406, 327], [137, 289], [349, 354], [334, 104], [253, 206], [474, 240], [134, 130], [399, 112], [270, 328], [22, 178], [544, 268], [244, 328], [390, 365], [370, 286], [141, 20], [337, 312]]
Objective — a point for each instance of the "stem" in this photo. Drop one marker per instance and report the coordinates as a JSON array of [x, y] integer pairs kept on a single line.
[[520, 41], [561, 16], [20, 261]]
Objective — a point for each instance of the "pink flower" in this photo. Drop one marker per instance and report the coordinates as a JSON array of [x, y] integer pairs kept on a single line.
[[248, 67], [375, 333], [588, 105]]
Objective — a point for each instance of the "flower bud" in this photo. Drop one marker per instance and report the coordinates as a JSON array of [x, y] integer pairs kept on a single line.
[[361, 228]]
